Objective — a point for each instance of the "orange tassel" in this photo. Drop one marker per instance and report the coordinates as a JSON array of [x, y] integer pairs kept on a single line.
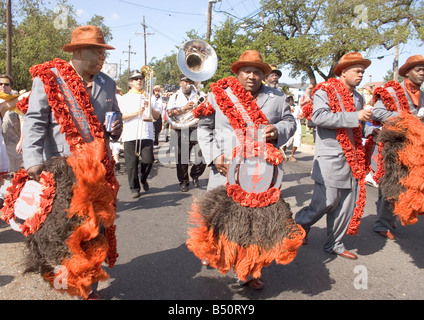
[[410, 203], [92, 202]]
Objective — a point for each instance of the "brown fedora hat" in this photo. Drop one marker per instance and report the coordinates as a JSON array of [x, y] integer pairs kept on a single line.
[[86, 36], [350, 59], [411, 62], [250, 58]]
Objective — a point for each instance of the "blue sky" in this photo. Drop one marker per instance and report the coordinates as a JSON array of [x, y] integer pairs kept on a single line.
[[169, 20]]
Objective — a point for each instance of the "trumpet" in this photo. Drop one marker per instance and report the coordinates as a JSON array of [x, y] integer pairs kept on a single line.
[[149, 82]]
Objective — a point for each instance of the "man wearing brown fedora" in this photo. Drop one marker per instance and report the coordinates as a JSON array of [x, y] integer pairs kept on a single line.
[[41, 131], [336, 185], [413, 73], [66, 112], [238, 111], [217, 147]]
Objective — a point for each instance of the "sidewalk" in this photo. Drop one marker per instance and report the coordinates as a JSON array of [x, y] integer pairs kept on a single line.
[[307, 148]]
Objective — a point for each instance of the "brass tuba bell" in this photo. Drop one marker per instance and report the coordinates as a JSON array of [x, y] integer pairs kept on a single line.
[[197, 60]]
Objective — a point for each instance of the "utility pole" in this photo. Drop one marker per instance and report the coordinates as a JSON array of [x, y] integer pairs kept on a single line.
[[145, 39], [9, 37], [129, 58], [396, 60], [396, 63], [209, 32]]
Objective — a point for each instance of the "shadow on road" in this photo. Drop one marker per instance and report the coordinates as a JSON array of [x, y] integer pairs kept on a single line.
[[165, 275], [8, 235], [176, 274]]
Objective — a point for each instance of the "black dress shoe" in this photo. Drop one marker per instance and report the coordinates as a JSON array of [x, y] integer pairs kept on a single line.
[[305, 240], [146, 186], [196, 183], [184, 188]]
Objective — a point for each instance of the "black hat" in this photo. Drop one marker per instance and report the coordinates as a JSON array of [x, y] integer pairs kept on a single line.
[[136, 75], [185, 78]]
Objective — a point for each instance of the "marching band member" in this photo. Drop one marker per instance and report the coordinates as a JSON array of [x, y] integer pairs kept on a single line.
[[182, 101], [137, 135]]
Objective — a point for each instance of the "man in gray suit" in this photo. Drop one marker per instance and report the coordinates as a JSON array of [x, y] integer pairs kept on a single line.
[[44, 125], [413, 72], [216, 136], [336, 190], [42, 137]]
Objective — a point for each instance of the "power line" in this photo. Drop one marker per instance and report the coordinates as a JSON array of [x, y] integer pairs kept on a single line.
[[162, 34], [249, 16], [161, 10]]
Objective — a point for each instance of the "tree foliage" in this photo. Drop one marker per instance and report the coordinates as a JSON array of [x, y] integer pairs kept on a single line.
[[311, 36], [307, 36], [38, 35]]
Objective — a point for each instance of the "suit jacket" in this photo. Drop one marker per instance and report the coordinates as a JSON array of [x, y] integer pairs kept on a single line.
[[42, 138], [216, 135], [330, 164], [380, 113]]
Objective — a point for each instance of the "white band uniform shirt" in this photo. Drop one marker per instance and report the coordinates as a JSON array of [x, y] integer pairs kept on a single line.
[[184, 143], [130, 103], [179, 100], [157, 104]]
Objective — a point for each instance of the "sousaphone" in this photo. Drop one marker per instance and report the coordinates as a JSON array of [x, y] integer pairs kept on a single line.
[[197, 60]]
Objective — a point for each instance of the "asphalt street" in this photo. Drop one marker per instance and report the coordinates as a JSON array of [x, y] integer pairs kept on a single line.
[[154, 263]]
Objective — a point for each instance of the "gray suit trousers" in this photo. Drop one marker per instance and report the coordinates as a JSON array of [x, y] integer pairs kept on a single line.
[[338, 204]]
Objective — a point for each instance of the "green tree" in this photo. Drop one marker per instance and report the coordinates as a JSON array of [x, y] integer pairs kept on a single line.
[[167, 71], [311, 36], [98, 21], [229, 42], [38, 35]]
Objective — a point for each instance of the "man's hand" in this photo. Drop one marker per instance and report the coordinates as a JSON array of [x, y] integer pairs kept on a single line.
[[117, 127], [35, 171], [188, 106], [270, 132], [221, 164], [365, 115]]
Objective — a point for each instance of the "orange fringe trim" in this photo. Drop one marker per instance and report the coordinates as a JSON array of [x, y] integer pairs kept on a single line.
[[92, 202], [224, 254], [411, 202]]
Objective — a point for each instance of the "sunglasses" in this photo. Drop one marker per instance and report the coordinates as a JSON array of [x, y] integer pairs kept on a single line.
[[5, 84]]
